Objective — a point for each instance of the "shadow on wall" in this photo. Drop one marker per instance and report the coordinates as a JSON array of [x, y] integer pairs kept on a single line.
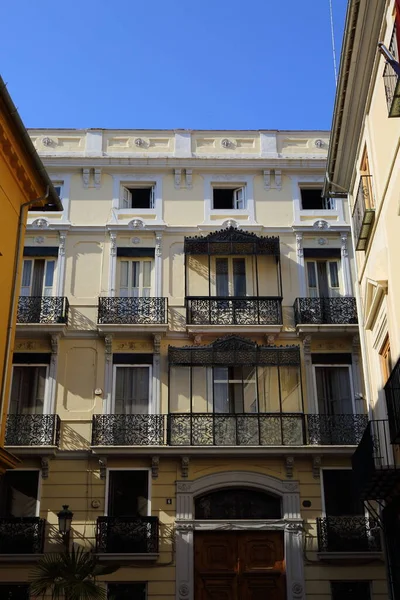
[[77, 320], [72, 440], [177, 318]]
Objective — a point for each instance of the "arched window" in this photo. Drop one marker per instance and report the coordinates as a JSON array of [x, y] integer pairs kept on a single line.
[[235, 503]]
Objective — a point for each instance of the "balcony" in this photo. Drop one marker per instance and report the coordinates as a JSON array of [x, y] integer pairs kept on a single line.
[[127, 535], [376, 474], [336, 430], [325, 311], [392, 81], [249, 310], [46, 310], [139, 312], [363, 212], [392, 392], [128, 430], [21, 535], [33, 430], [347, 534]]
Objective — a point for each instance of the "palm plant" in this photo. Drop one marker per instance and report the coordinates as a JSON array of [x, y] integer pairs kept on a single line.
[[69, 575]]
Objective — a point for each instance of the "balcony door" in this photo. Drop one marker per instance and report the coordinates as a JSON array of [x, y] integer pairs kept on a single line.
[[323, 278], [334, 388], [132, 389], [38, 277], [128, 493], [19, 494], [135, 278], [235, 390], [28, 390], [232, 276]]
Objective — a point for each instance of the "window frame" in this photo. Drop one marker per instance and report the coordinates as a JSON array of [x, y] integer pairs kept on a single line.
[[150, 403], [235, 198], [218, 216], [138, 180], [328, 261], [46, 398], [140, 260], [107, 486], [248, 275], [332, 201], [128, 189], [46, 259]]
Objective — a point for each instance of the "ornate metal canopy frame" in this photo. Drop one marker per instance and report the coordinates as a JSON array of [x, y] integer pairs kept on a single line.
[[232, 241], [234, 350]]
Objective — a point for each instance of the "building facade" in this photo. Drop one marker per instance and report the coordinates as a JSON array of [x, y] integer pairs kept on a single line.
[[24, 183], [190, 382], [364, 162]]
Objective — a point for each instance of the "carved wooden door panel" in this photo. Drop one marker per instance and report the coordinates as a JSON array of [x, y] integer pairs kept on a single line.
[[237, 565]]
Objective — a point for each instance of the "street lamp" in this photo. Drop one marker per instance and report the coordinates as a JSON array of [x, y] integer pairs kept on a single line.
[[64, 523]]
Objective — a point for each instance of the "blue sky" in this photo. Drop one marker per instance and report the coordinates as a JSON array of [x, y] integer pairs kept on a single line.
[[218, 64]]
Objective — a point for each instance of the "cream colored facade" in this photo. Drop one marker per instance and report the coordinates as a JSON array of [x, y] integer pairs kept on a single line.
[[364, 161], [283, 432]]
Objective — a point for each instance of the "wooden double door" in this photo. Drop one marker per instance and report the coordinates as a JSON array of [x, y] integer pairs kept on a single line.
[[239, 565]]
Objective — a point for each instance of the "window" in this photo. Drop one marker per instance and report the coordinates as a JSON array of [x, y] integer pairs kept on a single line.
[[126, 591], [323, 278], [366, 178], [339, 499], [386, 359], [135, 278], [235, 390], [228, 198], [28, 389], [14, 591], [132, 389], [128, 493], [19, 494], [138, 197], [334, 390], [311, 199], [351, 590], [230, 276], [38, 277]]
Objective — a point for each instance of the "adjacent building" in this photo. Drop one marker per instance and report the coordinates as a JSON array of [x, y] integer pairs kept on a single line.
[[364, 163], [24, 184], [187, 374]]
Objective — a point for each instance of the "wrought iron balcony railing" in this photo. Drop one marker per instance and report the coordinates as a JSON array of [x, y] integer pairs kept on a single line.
[[375, 471], [325, 311], [216, 429], [132, 311], [21, 535], [127, 535], [350, 533], [128, 430], [336, 430], [225, 310], [363, 212], [49, 310], [392, 80], [33, 430], [392, 393]]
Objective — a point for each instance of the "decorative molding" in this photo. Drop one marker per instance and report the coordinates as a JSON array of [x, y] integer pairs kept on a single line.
[[197, 339], [136, 224], [97, 178], [158, 249], [47, 141], [7, 147], [103, 467], [271, 339], [355, 345], [225, 143], [85, 177], [108, 339], [113, 244], [40, 223], [322, 241], [189, 178], [319, 144], [157, 343], [267, 179], [278, 179], [140, 143], [344, 251], [316, 466], [289, 464], [38, 239], [44, 465], [177, 178], [61, 248], [135, 240], [230, 223], [321, 224], [184, 590], [54, 339], [299, 245], [185, 466], [182, 487], [155, 465], [19, 346]]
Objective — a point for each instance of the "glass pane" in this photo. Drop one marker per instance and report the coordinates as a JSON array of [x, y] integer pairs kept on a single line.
[[200, 400], [135, 273], [26, 278], [311, 274], [249, 390], [268, 389], [239, 276], [146, 273], [333, 390], [290, 389], [222, 279], [179, 390], [334, 275], [132, 390], [49, 277], [124, 273], [28, 389]]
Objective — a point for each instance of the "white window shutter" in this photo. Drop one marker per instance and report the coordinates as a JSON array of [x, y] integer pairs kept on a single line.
[[152, 197], [26, 278], [126, 198], [239, 198]]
